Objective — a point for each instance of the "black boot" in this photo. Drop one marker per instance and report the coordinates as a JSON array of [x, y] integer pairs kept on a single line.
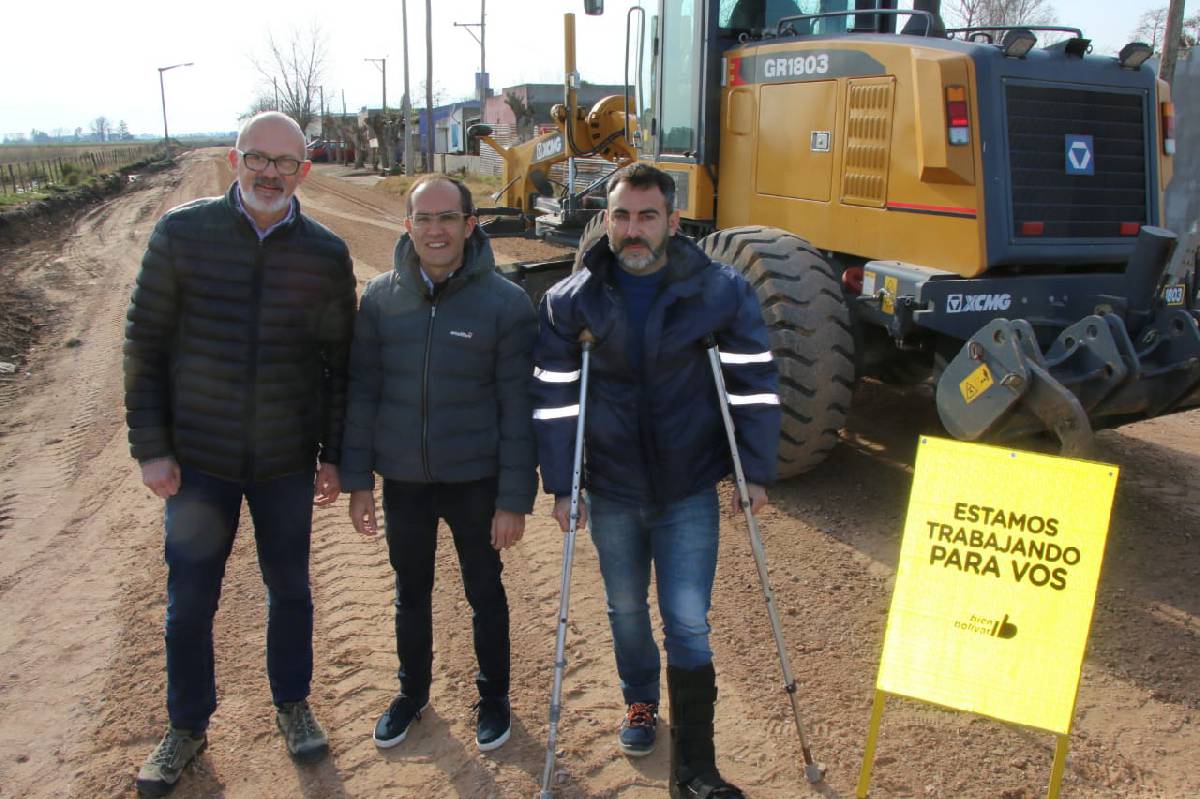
[[694, 772]]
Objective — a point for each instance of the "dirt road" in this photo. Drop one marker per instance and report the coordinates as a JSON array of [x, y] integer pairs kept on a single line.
[[82, 596]]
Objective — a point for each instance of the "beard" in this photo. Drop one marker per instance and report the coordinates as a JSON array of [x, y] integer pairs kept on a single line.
[[638, 263], [266, 205]]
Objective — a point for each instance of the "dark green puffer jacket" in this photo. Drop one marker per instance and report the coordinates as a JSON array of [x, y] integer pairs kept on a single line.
[[439, 387], [235, 349]]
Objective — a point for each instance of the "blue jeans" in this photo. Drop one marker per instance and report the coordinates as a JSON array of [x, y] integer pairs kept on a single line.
[[680, 538], [201, 521]]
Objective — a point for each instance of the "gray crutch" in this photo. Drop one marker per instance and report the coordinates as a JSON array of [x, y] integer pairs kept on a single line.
[[813, 771], [560, 660]]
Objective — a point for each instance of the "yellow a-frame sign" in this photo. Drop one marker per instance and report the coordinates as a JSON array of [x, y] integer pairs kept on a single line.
[[995, 587]]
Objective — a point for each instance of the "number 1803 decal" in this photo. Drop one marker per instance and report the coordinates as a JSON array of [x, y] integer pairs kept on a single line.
[[795, 66]]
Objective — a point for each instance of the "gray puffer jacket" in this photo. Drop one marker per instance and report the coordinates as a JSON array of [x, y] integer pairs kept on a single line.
[[439, 386]]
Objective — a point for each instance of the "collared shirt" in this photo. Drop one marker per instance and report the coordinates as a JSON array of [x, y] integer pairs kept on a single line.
[[262, 234], [429, 284]]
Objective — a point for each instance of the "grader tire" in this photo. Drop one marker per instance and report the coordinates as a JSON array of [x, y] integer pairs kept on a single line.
[[809, 328], [592, 232]]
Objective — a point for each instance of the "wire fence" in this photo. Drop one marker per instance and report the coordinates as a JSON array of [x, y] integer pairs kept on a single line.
[[20, 177]]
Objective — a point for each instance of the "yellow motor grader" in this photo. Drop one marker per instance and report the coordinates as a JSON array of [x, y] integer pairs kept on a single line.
[[909, 201]]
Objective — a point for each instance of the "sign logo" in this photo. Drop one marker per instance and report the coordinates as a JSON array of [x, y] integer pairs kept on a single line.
[[548, 148], [985, 625], [970, 303], [1173, 295], [1080, 152]]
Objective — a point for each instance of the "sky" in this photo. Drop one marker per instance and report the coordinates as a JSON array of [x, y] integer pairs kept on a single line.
[[85, 59]]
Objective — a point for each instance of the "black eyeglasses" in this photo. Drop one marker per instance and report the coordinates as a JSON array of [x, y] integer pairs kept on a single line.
[[285, 165]]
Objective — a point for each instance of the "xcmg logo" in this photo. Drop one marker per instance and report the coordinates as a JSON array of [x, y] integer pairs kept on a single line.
[[970, 303], [547, 148]]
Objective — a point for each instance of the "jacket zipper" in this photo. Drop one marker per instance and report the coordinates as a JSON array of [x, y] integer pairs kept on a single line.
[[425, 394], [255, 319]]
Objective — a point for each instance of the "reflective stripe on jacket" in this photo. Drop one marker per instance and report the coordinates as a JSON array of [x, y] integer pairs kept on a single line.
[[655, 436]]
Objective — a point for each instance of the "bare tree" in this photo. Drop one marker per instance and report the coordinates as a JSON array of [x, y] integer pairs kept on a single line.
[[1152, 24], [101, 128], [385, 127], [293, 68], [263, 102], [438, 95], [985, 13]]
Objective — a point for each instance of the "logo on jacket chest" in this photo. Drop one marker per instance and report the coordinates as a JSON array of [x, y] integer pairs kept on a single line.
[[463, 333]]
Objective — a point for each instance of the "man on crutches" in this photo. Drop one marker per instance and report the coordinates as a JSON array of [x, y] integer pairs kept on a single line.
[[655, 447]]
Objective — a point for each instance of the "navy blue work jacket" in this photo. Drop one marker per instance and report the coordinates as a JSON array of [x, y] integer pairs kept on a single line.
[[655, 436]]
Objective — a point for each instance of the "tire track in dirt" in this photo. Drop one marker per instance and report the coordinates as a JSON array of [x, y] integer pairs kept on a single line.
[[73, 501]]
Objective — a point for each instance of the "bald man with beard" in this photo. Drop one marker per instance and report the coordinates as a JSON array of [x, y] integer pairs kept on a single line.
[[236, 345]]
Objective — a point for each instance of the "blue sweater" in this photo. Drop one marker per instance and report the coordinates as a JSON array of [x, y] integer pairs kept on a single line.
[[638, 292]]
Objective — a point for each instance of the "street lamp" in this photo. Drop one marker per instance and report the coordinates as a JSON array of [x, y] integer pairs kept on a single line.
[[381, 65], [163, 92]]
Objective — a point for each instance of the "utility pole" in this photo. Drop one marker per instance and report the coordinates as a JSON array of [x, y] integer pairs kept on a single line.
[[275, 83], [322, 113], [384, 148], [482, 87], [429, 84], [406, 104], [163, 93], [1171, 37]]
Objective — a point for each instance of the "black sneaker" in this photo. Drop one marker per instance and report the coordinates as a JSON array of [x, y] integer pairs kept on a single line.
[[494, 725], [639, 729], [393, 725]]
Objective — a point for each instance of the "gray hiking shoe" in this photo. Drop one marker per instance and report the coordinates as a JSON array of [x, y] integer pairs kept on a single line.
[[161, 770], [305, 739]]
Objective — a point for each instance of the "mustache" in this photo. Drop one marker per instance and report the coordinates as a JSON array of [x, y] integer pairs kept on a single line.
[[630, 242], [271, 183]]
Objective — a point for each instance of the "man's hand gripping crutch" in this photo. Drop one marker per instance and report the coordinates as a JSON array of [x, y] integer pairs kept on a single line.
[[575, 515], [813, 771]]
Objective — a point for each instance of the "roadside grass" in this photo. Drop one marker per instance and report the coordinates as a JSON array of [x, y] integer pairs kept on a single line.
[[8, 200]]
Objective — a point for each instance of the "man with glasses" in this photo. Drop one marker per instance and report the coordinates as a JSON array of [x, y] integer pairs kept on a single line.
[[236, 344], [439, 407]]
